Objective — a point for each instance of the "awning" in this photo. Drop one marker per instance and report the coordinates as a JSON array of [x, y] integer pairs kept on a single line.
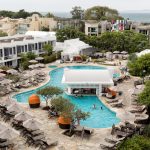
[[87, 89], [91, 49]]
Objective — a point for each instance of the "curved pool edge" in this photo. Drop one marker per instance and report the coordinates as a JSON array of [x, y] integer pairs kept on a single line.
[[51, 69]]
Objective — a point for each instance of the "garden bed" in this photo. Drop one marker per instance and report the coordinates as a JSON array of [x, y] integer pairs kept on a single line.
[[67, 133]]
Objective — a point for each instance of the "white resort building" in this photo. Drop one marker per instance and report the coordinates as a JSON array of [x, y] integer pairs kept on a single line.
[[11, 46], [83, 81], [71, 47]]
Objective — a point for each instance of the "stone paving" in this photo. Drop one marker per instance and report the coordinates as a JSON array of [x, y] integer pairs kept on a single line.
[[52, 130]]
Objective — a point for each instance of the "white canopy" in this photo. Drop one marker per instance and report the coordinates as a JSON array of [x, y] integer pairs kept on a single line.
[[146, 51], [86, 77]]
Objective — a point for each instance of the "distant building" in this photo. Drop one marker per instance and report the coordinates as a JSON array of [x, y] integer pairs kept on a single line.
[[61, 23], [21, 26]]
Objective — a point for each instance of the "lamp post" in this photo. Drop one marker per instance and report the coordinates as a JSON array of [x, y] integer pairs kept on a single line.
[[143, 75]]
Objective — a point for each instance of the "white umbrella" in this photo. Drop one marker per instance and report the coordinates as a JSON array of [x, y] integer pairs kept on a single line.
[[40, 65], [135, 91], [12, 71], [32, 123], [22, 116], [3, 125], [125, 116], [33, 61], [108, 52], [1, 70], [5, 81], [35, 71], [2, 74], [141, 87], [116, 88], [39, 58], [9, 134], [124, 52], [116, 52], [8, 101], [56, 56], [31, 73], [15, 107], [31, 66]]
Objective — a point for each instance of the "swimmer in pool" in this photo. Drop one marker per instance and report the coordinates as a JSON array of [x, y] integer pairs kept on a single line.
[[76, 96], [81, 96], [101, 108], [93, 106]]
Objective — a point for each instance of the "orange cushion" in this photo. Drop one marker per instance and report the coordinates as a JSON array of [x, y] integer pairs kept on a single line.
[[60, 120], [34, 99]]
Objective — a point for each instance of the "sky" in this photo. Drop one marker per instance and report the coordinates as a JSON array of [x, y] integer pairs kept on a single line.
[[66, 5]]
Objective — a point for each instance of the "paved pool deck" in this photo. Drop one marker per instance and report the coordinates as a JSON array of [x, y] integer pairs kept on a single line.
[[51, 128]]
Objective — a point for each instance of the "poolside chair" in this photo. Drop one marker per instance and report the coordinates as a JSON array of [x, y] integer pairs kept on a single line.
[[69, 61], [117, 103], [13, 88], [40, 78], [112, 100], [111, 139], [141, 119], [47, 144], [105, 145], [36, 80], [86, 61], [88, 132], [33, 82], [79, 131], [25, 85], [79, 61]]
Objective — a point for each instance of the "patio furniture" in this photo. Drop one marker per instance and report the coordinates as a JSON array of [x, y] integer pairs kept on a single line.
[[105, 145], [13, 88], [111, 139], [112, 100], [34, 101], [47, 144], [141, 119], [88, 132], [52, 115], [86, 61], [79, 131], [117, 103]]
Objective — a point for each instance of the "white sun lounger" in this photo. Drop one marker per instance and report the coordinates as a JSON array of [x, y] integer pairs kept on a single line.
[[117, 103]]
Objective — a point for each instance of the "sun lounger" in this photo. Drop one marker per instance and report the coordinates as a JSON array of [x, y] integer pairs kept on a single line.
[[25, 85], [79, 61], [47, 144], [86, 61], [52, 115], [111, 100], [108, 145], [117, 103], [142, 118], [88, 132], [113, 139], [13, 88], [137, 109]]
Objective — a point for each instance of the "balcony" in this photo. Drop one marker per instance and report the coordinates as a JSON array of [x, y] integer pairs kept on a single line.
[[20, 28], [10, 57]]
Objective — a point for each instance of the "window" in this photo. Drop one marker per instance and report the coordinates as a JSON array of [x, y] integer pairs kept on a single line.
[[1, 53], [25, 48], [93, 29], [41, 27], [28, 25], [10, 51], [89, 29], [41, 22], [64, 24], [45, 42], [22, 48], [0, 25], [40, 46], [18, 50], [36, 46], [143, 32]]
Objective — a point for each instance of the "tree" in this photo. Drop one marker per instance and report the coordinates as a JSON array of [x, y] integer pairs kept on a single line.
[[21, 14], [80, 115], [45, 29], [47, 48], [69, 111], [54, 29], [36, 13], [99, 12], [49, 15], [77, 12], [23, 57], [48, 92], [79, 27], [2, 34], [132, 59], [142, 63], [30, 55]]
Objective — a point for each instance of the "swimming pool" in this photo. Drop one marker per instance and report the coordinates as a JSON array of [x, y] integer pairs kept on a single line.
[[98, 118], [52, 66]]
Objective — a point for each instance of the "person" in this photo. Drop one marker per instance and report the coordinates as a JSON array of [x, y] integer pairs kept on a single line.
[[93, 106], [125, 70], [76, 96], [54, 112], [74, 123], [81, 96], [101, 108]]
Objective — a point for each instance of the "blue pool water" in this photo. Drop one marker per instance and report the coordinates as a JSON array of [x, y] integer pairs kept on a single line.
[[52, 66], [98, 118]]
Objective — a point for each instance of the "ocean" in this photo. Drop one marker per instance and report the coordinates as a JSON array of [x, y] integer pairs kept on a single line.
[[142, 17]]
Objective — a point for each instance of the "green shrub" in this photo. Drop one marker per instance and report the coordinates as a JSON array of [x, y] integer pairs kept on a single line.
[[30, 55], [74, 58], [99, 61], [13, 77], [120, 59], [25, 65], [135, 143], [52, 57], [84, 57], [106, 64], [103, 51], [147, 131], [6, 67]]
